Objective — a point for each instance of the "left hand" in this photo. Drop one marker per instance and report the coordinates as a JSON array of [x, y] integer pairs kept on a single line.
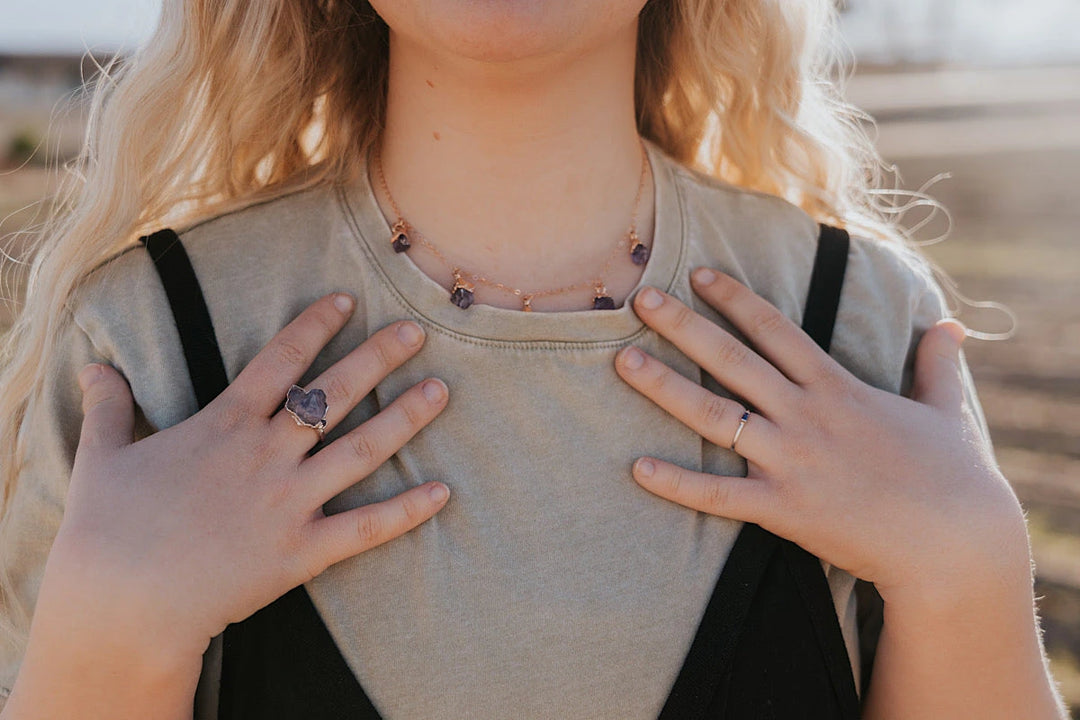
[[902, 492]]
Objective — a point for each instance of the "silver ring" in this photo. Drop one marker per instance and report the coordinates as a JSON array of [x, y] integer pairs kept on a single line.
[[308, 407], [742, 423]]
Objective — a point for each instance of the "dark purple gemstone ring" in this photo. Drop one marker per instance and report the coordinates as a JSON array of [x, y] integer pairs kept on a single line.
[[308, 408]]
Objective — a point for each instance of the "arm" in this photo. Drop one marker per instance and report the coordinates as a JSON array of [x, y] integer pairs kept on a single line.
[[966, 636], [167, 540], [973, 651], [82, 657], [902, 492]]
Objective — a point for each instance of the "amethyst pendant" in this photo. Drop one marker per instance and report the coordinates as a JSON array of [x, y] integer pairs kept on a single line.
[[399, 237], [639, 254], [603, 302], [462, 297], [461, 294], [307, 408]]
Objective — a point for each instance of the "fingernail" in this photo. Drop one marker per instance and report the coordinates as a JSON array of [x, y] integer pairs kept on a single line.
[[434, 391], [645, 467], [632, 358], [89, 375], [438, 492], [956, 329], [344, 302], [650, 299], [410, 333], [704, 276]]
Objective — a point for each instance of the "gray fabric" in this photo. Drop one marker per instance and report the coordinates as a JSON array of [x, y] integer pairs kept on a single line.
[[551, 585]]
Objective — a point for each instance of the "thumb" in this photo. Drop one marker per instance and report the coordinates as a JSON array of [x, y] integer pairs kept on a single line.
[[108, 409], [937, 366]]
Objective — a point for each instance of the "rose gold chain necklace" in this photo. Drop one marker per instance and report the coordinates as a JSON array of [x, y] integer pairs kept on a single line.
[[403, 234]]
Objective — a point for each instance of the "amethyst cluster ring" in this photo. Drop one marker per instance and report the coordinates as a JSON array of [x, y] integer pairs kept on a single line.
[[308, 407]]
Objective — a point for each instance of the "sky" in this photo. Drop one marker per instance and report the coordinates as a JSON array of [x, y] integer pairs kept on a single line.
[[66, 26], [980, 31]]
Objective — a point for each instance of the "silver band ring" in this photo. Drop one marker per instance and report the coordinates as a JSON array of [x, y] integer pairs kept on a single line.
[[742, 423], [308, 407]]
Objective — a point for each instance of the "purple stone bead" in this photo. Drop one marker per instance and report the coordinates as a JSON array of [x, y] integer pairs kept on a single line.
[[401, 242], [307, 407], [640, 254], [603, 302], [462, 297]]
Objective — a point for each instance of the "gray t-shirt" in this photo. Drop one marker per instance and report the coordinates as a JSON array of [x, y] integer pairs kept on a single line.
[[552, 585]]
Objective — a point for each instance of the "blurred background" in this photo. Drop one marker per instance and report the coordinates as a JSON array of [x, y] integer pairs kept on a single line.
[[977, 102]]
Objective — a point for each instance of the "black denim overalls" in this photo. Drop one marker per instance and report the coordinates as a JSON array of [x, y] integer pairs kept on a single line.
[[769, 644]]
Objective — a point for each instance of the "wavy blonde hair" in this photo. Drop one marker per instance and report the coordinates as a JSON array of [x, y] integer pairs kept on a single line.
[[233, 101]]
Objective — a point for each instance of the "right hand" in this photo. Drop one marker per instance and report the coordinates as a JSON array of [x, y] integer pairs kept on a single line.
[[169, 539]]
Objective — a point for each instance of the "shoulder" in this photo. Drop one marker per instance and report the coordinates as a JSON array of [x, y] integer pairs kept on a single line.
[[238, 246], [889, 296], [122, 307]]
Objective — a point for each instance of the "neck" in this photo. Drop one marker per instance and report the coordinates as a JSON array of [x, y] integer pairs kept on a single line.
[[522, 171]]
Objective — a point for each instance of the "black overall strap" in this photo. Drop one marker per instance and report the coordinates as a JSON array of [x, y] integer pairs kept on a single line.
[[309, 644], [752, 620], [205, 366]]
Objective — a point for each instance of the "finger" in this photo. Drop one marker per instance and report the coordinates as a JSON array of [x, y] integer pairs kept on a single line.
[[713, 417], [349, 533], [738, 498], [108, 410], [773, 334], [264, 381], [353, 377], [730, 362], [357, 454], [937, 378]]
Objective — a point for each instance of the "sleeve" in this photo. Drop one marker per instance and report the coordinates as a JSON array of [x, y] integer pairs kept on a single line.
[[50, 434], [890, 299]]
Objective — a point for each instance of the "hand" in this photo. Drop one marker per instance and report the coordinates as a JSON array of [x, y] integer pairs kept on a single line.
[[203, 523], [901, 492]]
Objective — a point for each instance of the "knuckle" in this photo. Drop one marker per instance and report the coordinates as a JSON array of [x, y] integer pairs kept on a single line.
[[337, 388], [369, 528], [767, 322], [713, 410], [730, 352], [232, 413], [799, 452], [327, 319], [411, 414], [413, 510], [384, 355], [363, 448], [683, 318], [822, 375], [674, 481], [289, 354], [715, 495], [661, 379]]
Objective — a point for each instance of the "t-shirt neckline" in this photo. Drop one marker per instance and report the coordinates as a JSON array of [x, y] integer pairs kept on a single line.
[[430, 300]]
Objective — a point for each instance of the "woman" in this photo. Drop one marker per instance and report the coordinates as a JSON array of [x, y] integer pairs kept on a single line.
[[434, 172]]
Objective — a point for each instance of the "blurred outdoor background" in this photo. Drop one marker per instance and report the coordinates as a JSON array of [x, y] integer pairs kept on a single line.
[[986, 92]]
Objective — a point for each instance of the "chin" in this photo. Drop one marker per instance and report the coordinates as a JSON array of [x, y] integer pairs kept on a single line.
[[499, 31]]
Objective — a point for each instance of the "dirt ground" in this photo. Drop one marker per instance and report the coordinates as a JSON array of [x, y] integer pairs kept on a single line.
[[1015, 206]]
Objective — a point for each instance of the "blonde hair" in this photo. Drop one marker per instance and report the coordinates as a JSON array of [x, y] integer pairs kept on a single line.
[[233, 101]]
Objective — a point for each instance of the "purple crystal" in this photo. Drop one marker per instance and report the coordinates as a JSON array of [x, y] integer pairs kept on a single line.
[[640, 254], [603, 302], [401, 242], [309, 408], [462, 297]]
